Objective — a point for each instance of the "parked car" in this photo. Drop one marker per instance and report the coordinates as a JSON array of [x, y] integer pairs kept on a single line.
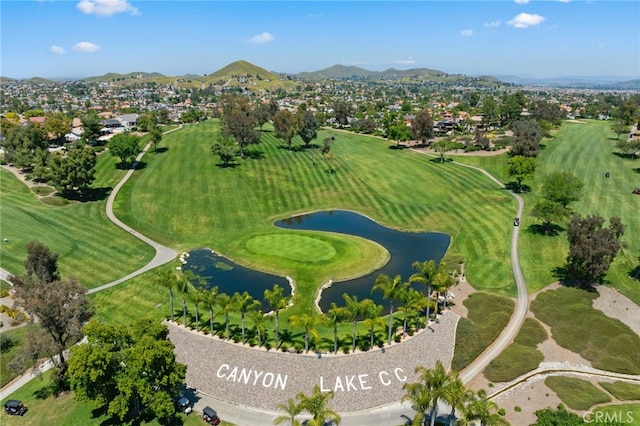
[[183, 404], [210, 416], [14, 407], [516, 221]]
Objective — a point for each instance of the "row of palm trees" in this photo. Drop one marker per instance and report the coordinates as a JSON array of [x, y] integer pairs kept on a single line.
[[413, 302], [434, 386]]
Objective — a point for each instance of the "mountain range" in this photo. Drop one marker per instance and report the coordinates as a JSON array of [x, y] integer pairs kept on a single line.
[[245, 72]]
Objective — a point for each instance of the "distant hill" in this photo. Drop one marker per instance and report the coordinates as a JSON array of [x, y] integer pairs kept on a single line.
[[244, 69], [335, 72], [124, 78], [577, 82]]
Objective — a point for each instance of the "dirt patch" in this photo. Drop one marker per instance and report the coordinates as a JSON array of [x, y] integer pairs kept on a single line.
[[615, 305]]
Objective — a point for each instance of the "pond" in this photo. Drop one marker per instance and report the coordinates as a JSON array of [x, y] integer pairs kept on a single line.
[[404, 248]]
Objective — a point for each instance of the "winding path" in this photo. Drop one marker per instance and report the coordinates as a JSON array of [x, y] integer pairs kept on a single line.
[[235, 408]]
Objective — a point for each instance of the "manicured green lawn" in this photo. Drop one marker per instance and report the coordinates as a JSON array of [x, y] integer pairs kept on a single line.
[[521, 356], [182, 199], [627, 414], [576, 325], [576, 393], [587, 150], [624, 391], [12, 341], [91, 248], [488, 315]]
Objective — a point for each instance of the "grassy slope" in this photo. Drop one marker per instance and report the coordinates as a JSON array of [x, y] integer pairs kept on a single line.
[[183, 200], [91, 248], [586, 149], [576, 393], [576, 325]]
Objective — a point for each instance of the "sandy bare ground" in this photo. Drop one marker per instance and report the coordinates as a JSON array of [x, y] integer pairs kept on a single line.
[[534, 394]]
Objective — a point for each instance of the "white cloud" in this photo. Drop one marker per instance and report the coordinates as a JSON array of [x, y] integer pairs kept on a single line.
[[86, 47], [106, 7], [492, 24], [409, 61], [467, 33], [521, 1], [525, 20], [57, 50], [262, 38], [564, 1]]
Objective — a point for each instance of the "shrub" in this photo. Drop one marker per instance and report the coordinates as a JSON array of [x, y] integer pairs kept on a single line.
[[517, 409]]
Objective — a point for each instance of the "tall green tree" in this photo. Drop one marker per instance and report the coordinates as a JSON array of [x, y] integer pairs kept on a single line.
[[225, 149], [307, 127], [482, 409], [548, 212], [317, 405], [333, 317], [74, 171], [41, 262], [291, 410], [129, 370], [527, 134], [442, 147], [184, 287], [422, 127], [353, 307], [592, 247], [240, 125], [521, 168], [390, 290], [245, 304], [155, 133], [60, 308], [425, 273], [342, 111], [562, 187], [284, 123], [91, 126], [308, 322], [371, 312], [22, 143], [226, 307], [277, 301], [168, 280], [432, 386], [210, 301], [124, 146]]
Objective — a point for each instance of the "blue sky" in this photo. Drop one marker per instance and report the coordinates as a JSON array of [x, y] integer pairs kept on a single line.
[[550, 38]]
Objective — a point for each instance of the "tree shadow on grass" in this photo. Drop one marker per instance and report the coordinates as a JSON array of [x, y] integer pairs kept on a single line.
[[566, 280], [551, 230], [131, 165], [514, 187], [229, 165], [637, 170], [398, 147], [253, 154], [89, 194], [439, 161], [161, 150]]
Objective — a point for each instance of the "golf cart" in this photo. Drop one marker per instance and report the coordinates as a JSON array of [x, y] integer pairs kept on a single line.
[[210, 416], [14, 407], [183, 405]]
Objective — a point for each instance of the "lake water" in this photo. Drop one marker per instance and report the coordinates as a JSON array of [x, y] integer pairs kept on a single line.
[[404, 248]]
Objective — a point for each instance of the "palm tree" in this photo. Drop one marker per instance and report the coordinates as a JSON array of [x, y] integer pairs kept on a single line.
[[411, 299], [198, 297], [308, 322], [486, 411], [442, 281], [316, 404], [426, 271], [169, 281], [354, 309], [436, 382], [245, 303], [183, 285], [277, 301], [258, 320], [420, 398], [332, 318], [226, 306], [291, 410], [390, 290], [457, 396], [210, 300], [372, 317]]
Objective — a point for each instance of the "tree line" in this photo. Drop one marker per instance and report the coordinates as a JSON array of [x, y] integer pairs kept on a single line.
[[417, 309]]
